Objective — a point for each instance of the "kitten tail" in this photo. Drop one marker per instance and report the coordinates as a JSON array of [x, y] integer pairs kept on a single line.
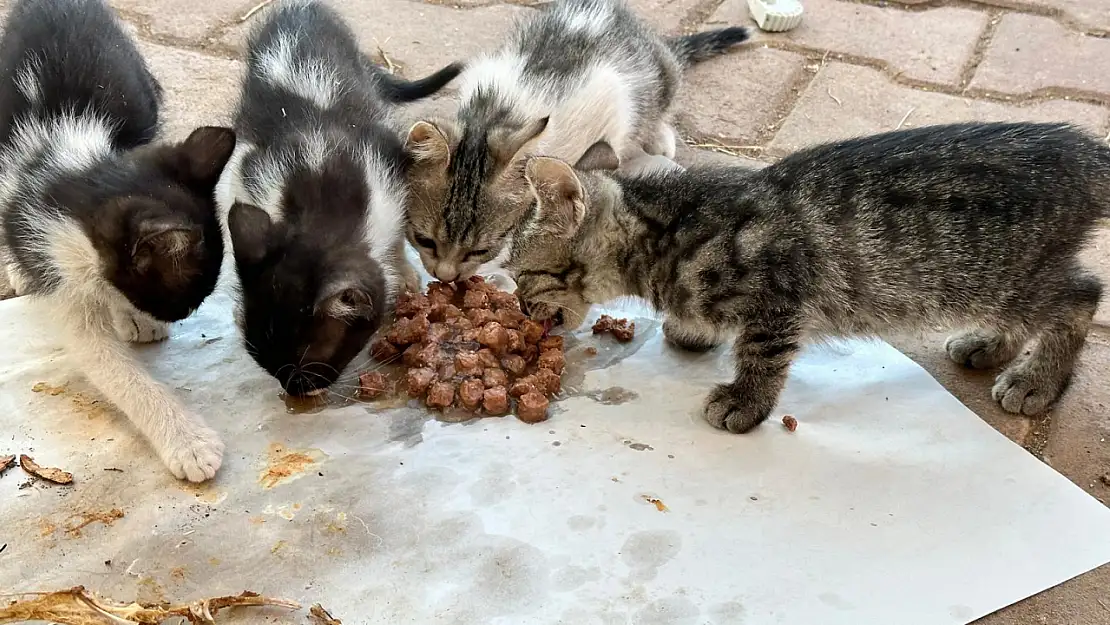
[[698, 47], [399, 90]]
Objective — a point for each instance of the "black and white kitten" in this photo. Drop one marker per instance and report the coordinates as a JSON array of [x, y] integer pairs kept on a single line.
[[314, 195], [974, 226], [115, 237]]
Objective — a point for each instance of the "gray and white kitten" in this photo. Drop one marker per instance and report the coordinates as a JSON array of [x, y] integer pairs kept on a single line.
[[578, 73], [974, 226]]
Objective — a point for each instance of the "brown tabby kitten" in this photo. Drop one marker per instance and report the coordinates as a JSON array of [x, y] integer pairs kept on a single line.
[[969, 225]]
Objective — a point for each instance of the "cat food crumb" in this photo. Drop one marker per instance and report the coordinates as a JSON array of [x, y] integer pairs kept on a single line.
[[621, 329], [495, 376], [552, 359], [551, 342], [408, 330], [522, 387], [531, 331], [383, 351], [790, 422], [418, 380], [475, 298], [471, 393], [372, 384], [532, 408], [514, 364], [441, 395], [468, 363], [548, 382], [590, 351], [412, 304], [495, 401], [494, 336]]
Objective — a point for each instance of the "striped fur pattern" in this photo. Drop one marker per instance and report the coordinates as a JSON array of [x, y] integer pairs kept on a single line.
[[314, 195], [114, 237], [575, 74], [970, 226]]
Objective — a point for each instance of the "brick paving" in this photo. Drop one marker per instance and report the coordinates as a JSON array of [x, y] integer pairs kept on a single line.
[[853, 67]]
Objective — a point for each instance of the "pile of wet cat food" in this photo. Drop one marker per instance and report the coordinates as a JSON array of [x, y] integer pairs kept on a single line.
[[469, 347]]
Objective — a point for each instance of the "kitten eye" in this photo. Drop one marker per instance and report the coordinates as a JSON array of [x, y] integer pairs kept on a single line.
[[425, 242], [476, 253]]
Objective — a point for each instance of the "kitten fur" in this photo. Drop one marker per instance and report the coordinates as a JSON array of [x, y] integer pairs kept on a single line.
[[114, 237], [314, 195], [578, 73], [975, 226]]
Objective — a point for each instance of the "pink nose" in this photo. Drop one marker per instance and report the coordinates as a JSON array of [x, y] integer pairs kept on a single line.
[[447, 274]]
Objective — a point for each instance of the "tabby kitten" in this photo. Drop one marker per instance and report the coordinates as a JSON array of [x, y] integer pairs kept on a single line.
[[578, 73], [314, 195], [114, 237], [969, 225]]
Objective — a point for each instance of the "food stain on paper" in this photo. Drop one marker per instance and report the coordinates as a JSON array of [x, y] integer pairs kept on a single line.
[[205, 493], [286, 465], [49, 389], [85, 519], [658, 503]]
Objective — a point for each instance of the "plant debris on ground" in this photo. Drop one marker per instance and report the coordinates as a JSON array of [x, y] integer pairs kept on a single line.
[[77, 606]]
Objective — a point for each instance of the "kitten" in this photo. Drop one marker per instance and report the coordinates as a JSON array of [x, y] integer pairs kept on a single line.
[[115, 237], [969, 225], [314, 195], [576, 74]]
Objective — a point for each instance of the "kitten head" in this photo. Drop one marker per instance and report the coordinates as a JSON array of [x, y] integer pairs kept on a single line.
[[158, 233], [467, 192], [311, 295]]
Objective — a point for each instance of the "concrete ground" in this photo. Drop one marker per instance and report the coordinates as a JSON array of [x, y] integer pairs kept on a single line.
[[853, 67]]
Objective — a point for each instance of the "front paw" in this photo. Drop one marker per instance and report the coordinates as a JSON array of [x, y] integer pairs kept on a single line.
[[410, 278], [137, 327], [682, 338], [726, 408], [194, 455]]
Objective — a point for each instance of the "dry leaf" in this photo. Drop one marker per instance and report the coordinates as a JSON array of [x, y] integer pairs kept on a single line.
[[57, 476], [77, 606], [6, 462], [320, 616]]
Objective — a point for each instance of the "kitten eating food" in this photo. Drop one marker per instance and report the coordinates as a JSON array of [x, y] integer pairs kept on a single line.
[[314, 195], [968, 225], [586, 81], [114, 237]]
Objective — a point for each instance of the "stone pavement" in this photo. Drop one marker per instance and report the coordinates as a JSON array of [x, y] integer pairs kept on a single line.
[[853, 67]]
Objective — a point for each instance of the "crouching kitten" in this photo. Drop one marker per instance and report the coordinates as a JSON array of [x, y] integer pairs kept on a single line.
[[116, 238], [975, 226], [314, 195]]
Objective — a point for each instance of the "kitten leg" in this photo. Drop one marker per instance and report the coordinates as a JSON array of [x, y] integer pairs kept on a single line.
[[189, 448], [1034, 382], [983, 348], [764, 352], [664, 143], [690, 337], [410, 278], [135, 326]]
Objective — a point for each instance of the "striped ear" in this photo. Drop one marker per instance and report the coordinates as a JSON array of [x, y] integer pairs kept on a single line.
[[507, 143], [560, 198], [428, 144]]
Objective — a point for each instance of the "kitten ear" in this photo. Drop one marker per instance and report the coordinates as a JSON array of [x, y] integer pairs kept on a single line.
[[162, 239], [345, 302], [600, 156], [199, 160], [250, 228], [559, 195], [428, 144], [506, 143]]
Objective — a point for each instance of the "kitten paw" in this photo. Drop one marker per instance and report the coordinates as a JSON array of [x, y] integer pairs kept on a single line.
[[410, 278], [979, 349], [684, 339], [1027, 389], [727, 409], [195, 455], [136, 327]]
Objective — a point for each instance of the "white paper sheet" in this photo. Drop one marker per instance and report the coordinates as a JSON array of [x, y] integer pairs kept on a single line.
[[892, 503]]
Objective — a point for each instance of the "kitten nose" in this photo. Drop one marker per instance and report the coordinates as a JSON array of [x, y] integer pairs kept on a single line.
[[300, 385], [446, 273]]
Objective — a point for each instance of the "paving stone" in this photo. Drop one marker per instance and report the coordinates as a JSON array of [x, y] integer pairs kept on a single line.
[[182, 21], [691, 157], [931, 45], [200, 90], [1085, 14], [1029, 53], [666, 15], [740, 95], [847, 101], [419, 37]]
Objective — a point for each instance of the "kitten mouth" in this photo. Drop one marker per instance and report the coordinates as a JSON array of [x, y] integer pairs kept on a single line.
[[315, 392]]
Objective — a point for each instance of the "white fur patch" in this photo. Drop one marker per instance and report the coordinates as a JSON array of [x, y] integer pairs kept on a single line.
[[593, 22], [311, 79], [385, 219], [27, 79]]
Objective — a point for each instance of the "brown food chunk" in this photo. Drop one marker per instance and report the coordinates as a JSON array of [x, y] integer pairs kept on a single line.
[[488, 358], [532, 331], [439, 332], [621, 329], [481, 316], [422, 355], [408, 331], [477, 283], [412, 304], [475, 298], [532, 408], [444, 312], [514, 364], [441, 395], [495, 376], [468, 363], [446, 372], [471, 393], [551, 342], [523, 386], [510, 318], [438, 288], [552, 359], [495, 401], [591, 351], [418, 380], [548, 382], [790, 422], [516, 342], [501, 300], [383, 351], [530, 352], [411, 357], [372, 384], [49, 474], [494, 336], [460, 323], [624, 334], [470, 335]]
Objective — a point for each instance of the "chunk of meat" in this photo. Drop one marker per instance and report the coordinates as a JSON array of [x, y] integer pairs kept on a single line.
[[384, 351], [422, 355], [495, 401], [621, 329], [418, 380], [514, 364], [495, 376], [494, 336], [510, 318], [481, 316], [488, 358], [515, 344], [551, 342], [547, 382], [501, 300], [530, 353], [552, 359], [408, 331], [471, 393], [441, 289], [532, 408], [440, 332], [412, 304], [468, 363], [446, 372], [624, 333], [372, 384], [523, 386], [475, 298], [444, 312], [460, 323], [532, 331], [790, 422], [441, 395]]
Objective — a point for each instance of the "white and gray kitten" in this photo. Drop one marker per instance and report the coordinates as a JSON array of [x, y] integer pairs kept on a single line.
[[577, 73]]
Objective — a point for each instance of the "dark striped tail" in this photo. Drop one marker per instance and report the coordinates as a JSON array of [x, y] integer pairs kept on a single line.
[[698, 47]]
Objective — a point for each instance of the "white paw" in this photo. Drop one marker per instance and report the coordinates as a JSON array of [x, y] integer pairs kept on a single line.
[[410, 278], [137, 327], [195, 455]]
